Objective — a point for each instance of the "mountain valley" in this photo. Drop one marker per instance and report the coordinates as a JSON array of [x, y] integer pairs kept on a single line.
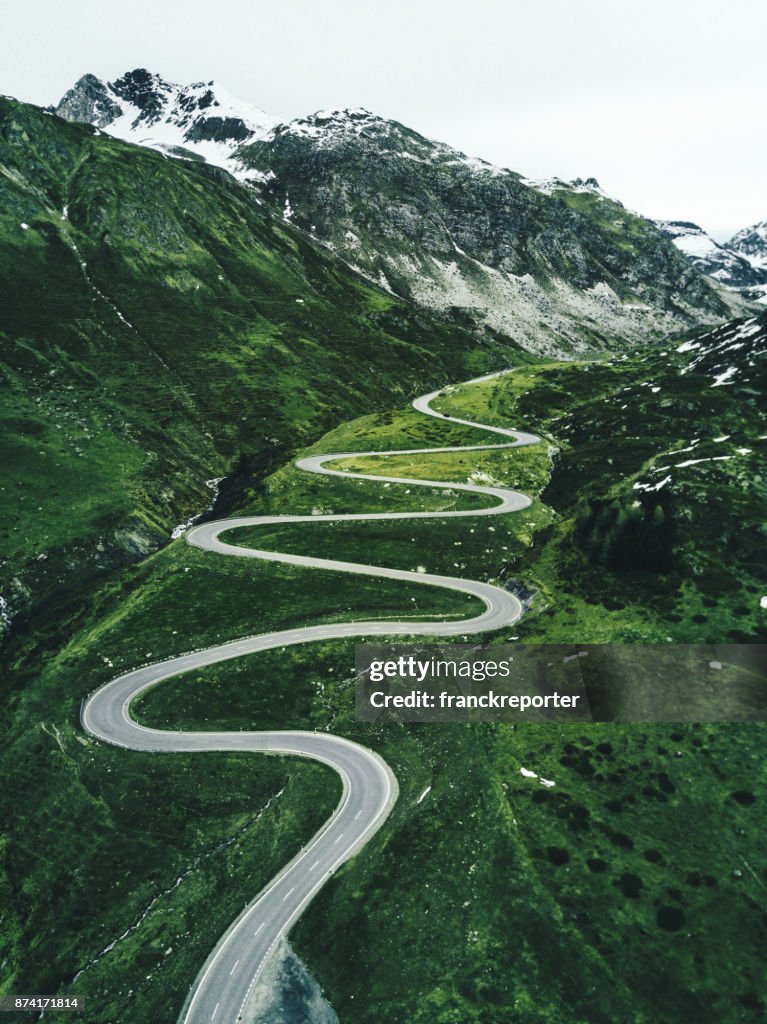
[[194, 296]]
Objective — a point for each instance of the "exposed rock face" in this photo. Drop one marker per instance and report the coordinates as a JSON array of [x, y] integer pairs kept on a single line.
[[287, 993], [736, 265], [751, 243], [200, 119], [557, 266], [147, 92], [89, 100]]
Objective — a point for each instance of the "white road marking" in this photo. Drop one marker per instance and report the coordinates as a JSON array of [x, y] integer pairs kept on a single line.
[[288, 893], [234, 968]]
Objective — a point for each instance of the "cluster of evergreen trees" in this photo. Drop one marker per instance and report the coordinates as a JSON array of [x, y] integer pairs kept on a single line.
[[624, 534]]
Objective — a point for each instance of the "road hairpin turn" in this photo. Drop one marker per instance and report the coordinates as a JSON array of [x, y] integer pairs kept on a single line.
[[223, 988]]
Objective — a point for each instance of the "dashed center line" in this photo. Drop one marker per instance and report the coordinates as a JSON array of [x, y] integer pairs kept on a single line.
[[288, 893], [234, 968]]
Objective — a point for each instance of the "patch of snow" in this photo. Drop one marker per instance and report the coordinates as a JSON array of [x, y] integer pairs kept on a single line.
[[183, 108], [424, 794], [695, 462], [548, 186], [638, 486], [724, 378], [688, 346], [691, 447], [697, 245]]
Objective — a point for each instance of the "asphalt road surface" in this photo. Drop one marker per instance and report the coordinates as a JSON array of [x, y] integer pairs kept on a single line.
[[222, 991]]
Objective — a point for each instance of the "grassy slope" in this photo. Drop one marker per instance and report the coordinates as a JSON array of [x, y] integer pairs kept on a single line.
[[508, 899], [712, 577], [159, 326], [492, 896], [114, 830], [611, 896]]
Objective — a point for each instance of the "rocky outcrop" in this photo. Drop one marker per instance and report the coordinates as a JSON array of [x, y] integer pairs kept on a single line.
[[751, 244], [558, 266], [735, 265], [89, 101], [198, 120], [287, 993]]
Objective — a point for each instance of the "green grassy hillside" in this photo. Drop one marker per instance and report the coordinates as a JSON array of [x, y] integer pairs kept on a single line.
[[159, 326], [658, 489], [631, 890]]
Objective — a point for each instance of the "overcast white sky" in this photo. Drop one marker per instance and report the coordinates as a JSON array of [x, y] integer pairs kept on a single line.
[[663, 101]]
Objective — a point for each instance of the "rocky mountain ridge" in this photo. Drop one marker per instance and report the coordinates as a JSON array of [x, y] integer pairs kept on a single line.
[[197, 121], [739, 264], [751, 243], [559, 267]]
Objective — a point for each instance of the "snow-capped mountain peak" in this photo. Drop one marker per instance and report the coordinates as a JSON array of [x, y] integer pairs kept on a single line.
[[725, 263], [336, 127], [551, 185], [329, 126], [690, 239], [198, 120], [751, 244]]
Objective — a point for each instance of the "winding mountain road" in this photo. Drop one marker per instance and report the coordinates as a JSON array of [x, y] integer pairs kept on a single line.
[[222, 992]]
